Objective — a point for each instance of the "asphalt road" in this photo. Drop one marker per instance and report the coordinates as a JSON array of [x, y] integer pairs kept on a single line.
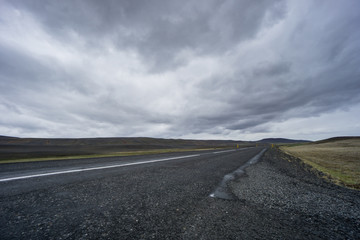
[[142, 197]]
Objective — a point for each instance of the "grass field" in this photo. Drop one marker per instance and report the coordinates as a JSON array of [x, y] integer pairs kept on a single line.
[[14, 149], [338, 158], [119, 154]]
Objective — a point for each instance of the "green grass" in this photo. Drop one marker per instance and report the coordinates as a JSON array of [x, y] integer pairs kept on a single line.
[[338, 159], [116, 154]]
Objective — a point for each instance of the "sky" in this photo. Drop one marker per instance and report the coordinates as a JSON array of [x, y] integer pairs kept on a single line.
[[200, 69]]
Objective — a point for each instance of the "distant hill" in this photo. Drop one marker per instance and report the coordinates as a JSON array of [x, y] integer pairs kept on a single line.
[[12, 148], [281, 140], [6, 137], [335, 139], [124, 142]]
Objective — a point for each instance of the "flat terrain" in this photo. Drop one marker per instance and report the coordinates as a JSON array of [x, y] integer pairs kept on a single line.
[[12, 148], [338, 158], [170, 199]]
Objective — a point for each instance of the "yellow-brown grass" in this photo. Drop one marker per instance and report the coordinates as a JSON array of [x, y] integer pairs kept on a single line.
[[116, 154], [339, 159]]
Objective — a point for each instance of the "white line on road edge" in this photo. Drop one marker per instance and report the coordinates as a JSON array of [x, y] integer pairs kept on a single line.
[[94, 168], [224, 151], [238, 149]]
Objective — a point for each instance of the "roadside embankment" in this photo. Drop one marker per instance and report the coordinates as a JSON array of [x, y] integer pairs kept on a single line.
[[296, 201], [337, 158]]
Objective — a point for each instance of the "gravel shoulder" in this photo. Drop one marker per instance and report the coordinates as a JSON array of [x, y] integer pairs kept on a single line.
[[302, 204]]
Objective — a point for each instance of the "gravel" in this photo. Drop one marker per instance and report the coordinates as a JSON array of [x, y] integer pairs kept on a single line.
[[274, 199], [281, 186]]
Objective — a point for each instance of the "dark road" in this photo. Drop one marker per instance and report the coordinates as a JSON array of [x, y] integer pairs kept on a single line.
[[142, 197]]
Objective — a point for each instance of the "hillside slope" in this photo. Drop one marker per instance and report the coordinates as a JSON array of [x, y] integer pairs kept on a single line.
[[338, 158], [281, 140]]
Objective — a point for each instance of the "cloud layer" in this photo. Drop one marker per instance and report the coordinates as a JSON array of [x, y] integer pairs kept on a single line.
[[200, 69]]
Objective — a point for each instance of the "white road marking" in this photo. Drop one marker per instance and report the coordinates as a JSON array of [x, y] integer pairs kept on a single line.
[[105, 167], [94, 168], [224, 151]]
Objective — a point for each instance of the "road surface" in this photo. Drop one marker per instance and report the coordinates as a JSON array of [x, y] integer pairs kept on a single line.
[[139, 197]]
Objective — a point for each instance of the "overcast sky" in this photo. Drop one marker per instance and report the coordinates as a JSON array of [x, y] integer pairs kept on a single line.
[[202, 69]]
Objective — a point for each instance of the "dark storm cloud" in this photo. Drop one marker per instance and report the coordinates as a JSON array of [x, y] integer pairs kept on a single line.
[[16, 67], [174, 68], [271, 69], [158, 30]]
